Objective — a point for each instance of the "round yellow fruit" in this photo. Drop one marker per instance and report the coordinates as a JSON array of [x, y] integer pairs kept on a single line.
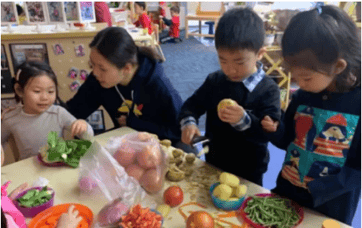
[[224, 103]]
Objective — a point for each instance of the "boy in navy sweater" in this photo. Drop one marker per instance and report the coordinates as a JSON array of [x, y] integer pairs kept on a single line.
[[238, 143]]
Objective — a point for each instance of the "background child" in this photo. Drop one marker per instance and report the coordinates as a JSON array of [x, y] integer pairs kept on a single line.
[[11, 217], [143, 20], [321, 130], [238, 143], [174, 23], [36, 87]]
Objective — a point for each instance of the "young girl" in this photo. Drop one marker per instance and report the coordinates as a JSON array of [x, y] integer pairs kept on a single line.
[[143, 20], [30, 122], [11, 217], [321, 130]]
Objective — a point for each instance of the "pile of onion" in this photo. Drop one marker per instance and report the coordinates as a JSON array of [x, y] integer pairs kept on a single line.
[[142, 159], [200, 219]]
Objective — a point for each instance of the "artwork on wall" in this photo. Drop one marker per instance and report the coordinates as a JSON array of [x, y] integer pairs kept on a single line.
[[35, 12], [79, 50], [84, 74], [73, 72], [28, 52], [9, 14], [96, 120], [58, 49], [71, 10], [55, 12], [74, 86], [6, 85], [87, 12]]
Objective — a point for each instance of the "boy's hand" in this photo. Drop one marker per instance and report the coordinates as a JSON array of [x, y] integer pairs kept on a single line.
[[269, 125], [18, 190], [231, 114], [78, 127], [122, 120], [70, 219], [189, 132]]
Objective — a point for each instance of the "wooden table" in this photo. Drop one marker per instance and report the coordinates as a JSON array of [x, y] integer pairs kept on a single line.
[[200, 19], [64, 181]]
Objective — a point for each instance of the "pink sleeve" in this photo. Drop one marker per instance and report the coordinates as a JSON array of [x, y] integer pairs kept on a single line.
[[10, 221]]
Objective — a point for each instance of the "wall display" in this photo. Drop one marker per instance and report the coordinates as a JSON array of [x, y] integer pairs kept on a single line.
[[87, 12], [79, 50], [55, 11], [35, 12], [58, 49], [84, 74], [96, 120], [6, 85], [73, 72], [74, 86], [7, 103], [28, 52], [71, 10], [9, 14]]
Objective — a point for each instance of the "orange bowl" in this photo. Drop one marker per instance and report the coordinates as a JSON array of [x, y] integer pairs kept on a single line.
[[49, 217]]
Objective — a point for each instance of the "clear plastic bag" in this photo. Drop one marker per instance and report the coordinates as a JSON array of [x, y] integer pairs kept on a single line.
[[100, 172], [142, 157]]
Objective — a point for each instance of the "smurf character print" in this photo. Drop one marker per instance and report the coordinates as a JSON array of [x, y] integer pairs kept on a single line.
[[73, 72], [79, 50], [58, 49]]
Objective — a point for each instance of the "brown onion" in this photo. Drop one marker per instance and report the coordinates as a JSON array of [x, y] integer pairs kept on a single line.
[[200, 219]]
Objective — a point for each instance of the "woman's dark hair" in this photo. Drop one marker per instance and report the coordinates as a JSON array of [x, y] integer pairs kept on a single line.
[[141, 4], [238, 29], [317, 38], [32, 69], [175, 9], [4, 223], [118, 47], [19, 9]]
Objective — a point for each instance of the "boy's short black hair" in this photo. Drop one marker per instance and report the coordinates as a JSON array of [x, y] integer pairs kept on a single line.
[[141, 4], [240, 28], [175, 9]]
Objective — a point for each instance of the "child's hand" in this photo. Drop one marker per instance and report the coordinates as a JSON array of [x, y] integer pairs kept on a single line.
[[78, 127], [18, 190], [69, 219], [161, 16], [122, 120], [269, 125], [231, 114], [189, 132]]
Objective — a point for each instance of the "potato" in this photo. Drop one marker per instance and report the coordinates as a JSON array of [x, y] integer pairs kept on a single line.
[[229, 179], [233, 199], [166, 142], [164, 209], [222, 191], [190, 158], [177, 153], [239, 191]]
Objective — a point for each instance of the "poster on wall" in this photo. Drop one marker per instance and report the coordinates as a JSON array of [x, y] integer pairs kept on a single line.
[[55, 12], [9, 14], [35, 12], [71, 10], [6, 85], [28, 52], [87, 12], [96, 120]]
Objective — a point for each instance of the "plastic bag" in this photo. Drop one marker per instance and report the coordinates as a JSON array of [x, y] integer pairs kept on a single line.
[[111, 213], [100, 171], [142, 157]]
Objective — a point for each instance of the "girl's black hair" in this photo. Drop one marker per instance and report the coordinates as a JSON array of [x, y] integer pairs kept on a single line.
[[118, 47], [317, 38], [4, 223], [32, 69], [141, 4]]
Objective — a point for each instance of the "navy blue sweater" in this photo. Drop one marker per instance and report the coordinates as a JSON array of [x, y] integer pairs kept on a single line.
[[238, 152], [150, 94], [322, 136]]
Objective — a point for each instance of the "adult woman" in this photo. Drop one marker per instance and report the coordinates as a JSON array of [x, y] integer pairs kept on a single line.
[[129, 82]]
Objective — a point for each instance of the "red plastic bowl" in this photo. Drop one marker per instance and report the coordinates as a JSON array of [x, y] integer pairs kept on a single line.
[[30, 212], [243, 217]]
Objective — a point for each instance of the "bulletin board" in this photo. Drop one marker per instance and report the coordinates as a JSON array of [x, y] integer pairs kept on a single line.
[[65, 53]]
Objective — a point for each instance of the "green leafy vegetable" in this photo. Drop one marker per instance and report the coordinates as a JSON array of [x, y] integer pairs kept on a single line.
[[35, 197]]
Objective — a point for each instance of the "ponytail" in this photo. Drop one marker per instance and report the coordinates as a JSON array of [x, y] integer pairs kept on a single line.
[[149, 53]]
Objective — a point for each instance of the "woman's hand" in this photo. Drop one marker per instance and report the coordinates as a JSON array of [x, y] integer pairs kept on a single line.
[[18, 190], [122, 120], [269, 125], [79, 127], [231, 114], [70, 219], [189, 132]]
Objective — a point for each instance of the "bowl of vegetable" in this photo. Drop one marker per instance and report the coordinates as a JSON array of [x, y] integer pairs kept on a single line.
[[270, 210], [34, 200], [231, 204], [141, 217]]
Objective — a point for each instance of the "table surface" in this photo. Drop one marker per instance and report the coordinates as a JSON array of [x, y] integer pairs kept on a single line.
[[64, 181], [201, 17]]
